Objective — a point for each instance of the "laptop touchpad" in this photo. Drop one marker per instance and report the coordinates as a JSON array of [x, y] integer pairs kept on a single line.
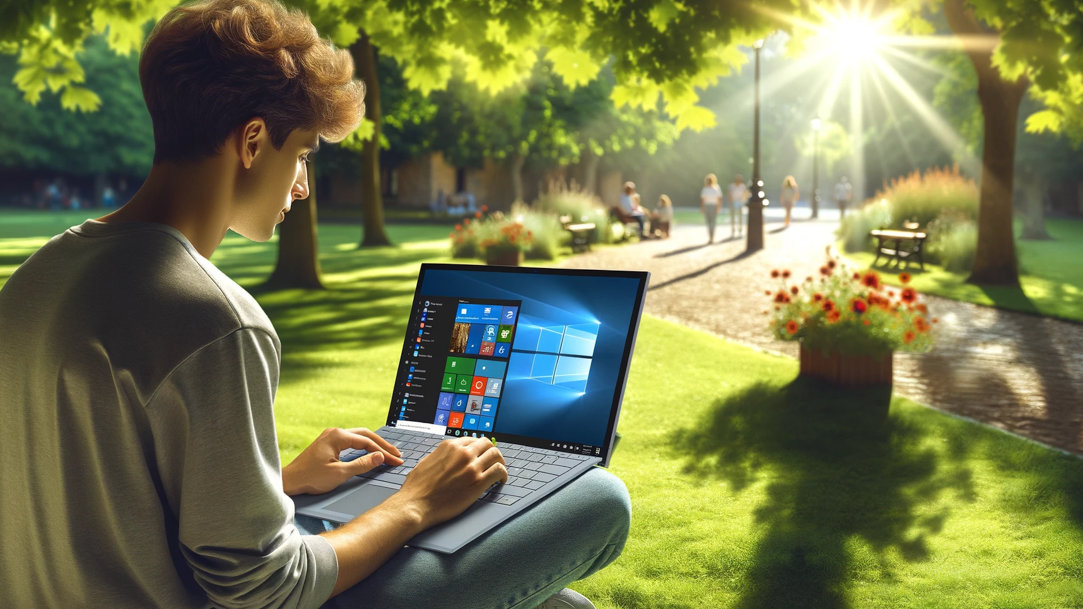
[[360, 500]]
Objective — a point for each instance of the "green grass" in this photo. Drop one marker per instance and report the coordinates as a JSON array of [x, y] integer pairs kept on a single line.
[[750, 489], [1051, 276]]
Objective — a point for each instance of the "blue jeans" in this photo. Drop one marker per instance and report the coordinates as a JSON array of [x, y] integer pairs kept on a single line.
[[568, 536]]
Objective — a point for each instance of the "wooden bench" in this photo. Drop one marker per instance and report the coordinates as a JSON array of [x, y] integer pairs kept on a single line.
[[900, 245], [581, 233]]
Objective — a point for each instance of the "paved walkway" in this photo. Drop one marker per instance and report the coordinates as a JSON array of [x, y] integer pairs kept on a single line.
[[1018, 372]]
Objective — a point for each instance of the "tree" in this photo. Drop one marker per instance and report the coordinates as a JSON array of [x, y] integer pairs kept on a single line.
[[1032, 44]]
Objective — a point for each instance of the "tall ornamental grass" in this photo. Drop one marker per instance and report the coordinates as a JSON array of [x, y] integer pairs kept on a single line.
[[942, 201], [578, 205]]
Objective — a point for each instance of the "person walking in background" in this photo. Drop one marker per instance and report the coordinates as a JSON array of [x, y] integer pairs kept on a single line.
[[843, 192], [663, 217], [738, 196], [710, 203], [788, 196]]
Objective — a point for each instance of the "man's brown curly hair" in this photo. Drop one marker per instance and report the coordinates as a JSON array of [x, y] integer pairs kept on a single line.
[[210, 66]]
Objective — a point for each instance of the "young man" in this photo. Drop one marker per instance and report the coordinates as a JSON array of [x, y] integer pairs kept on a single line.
[[140, 465]]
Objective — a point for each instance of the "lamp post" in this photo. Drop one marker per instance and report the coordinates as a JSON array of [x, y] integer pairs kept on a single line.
[[815, 167], [754, 236]]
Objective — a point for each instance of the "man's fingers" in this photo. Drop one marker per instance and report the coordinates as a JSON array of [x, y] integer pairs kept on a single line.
[[364, 463], [384, 445], [373, 444]]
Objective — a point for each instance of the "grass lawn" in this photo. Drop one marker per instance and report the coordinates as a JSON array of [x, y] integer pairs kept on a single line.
[[751, 489], [1050, 273]]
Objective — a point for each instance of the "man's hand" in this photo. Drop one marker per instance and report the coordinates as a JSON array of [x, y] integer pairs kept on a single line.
[[318, 469], [452, 477]]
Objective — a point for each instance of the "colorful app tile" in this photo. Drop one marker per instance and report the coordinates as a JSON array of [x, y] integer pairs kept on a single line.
[[444, 401], [459, 365], [508, 315], [490, 368], [504, 334], [473, 404], [474, 338], [463, 382], [502, 350], [470, 421], [486, 424], [492, 389], [491, 313], [490, 333], [470, 313], [455, 420], [448, 384], [477, 385], [441, 417], [459, 403], [488, 407], [487, 349]]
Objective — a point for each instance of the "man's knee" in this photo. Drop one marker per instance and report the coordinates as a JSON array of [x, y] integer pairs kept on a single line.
[[609, 500]]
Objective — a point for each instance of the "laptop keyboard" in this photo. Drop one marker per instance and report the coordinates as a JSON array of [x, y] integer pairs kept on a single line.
[[529, 468]]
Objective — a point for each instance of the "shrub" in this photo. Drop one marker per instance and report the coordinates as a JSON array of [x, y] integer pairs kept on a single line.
[[855, 227], [579, 205], [464, 240], [545, 229], [953, 239]]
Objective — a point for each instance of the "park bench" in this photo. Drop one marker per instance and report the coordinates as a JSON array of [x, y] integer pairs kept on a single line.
[[581, 233], [900, 245]]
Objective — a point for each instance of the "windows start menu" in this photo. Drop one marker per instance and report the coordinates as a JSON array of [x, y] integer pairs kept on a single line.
[[454, 364]]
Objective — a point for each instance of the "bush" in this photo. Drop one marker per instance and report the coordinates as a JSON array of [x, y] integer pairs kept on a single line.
[[953, 239], [855, 227], [579, 205], [545, 228]]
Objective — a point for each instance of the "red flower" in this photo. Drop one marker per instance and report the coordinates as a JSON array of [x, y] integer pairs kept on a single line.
[[785, 274], [792, 327], [824, 270], [920, 324], [908, 337], [781, 297], [831, 264], [921, 308], [828, 306], [858, 306], [833, 316], [904, 277], [817, 297], [871, 280], [484, 208], [458, 227], [477, 215], [866, 321], [908, 295], [466, 221], [775, 273], [794, 290]]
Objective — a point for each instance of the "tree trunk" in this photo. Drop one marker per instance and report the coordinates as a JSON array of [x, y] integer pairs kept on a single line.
[[994, 259], [298, 265], [372, 203], [518, 160], [588, 171], [1034, 210]]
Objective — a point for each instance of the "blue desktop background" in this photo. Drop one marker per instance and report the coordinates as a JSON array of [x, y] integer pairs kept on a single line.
[[575, 407]]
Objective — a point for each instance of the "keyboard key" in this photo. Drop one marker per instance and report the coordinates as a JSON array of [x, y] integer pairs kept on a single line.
[[553, 469], [543, 477]]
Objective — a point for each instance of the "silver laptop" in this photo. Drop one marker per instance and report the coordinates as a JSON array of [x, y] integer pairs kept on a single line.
[[533, 358]]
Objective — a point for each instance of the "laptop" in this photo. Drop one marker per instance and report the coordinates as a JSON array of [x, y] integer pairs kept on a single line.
[[535, 359]]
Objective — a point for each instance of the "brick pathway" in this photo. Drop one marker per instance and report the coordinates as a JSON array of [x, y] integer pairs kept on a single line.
[[1018, 372]]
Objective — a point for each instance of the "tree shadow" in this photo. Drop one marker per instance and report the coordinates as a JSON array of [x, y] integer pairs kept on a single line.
[[682, 250], [744, 254], [837, 467]]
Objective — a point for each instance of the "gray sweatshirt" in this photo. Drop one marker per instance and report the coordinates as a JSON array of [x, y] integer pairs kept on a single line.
[[139, 462]]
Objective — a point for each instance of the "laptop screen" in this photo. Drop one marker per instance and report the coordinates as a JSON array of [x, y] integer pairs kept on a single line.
[[526, 355]]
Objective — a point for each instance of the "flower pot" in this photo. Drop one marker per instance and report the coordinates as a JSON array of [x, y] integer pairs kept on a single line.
[[847, 370], [504, 257]]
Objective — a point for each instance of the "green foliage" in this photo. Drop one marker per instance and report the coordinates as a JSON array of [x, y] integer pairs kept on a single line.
[[568, 200], [117, 138], [855, 226], [953, 240]]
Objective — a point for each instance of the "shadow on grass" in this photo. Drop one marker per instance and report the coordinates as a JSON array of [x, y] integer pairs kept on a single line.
[[837, 468]]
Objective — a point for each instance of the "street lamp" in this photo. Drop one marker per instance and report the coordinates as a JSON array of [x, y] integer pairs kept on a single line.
[[815, 167], [754, 236]]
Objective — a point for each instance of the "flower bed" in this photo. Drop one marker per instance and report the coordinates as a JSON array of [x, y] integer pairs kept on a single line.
[[843, 311]]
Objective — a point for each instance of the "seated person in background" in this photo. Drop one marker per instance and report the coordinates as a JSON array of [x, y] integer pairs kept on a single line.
[[629, 207], [663, 217]]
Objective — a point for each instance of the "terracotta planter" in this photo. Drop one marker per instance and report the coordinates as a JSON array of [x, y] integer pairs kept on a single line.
[[501, 257], [847, 370]]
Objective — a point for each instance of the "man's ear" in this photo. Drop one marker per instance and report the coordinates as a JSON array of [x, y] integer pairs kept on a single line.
[[253, 138]]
